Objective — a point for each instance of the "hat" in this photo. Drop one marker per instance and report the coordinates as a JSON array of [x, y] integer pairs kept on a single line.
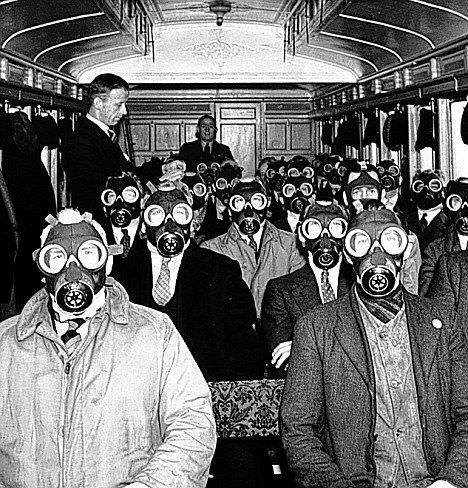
[[327, 134], [425, 137], [395, 131], [348, 133], [23, 133], [47, 130], [372, 130], [464, 125]]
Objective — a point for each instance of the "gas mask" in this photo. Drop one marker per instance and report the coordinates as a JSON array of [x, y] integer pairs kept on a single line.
[[329, 173], [389, 173], [375, 244], [248, 205], [168, 216], [200, 194], [122, 199], [362, 185], [208, 172], [322, 231], [228, 175], [456, 203], [274, 175], [295, 193], [75, 260], [427, 190]]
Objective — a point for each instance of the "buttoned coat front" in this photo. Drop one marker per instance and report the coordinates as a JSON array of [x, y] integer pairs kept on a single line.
[[129, 404], [328, 411]]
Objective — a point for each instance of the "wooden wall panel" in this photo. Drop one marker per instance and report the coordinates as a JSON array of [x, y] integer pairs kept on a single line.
[[141, 134], [167, 136], [276, 135], [300, 136]]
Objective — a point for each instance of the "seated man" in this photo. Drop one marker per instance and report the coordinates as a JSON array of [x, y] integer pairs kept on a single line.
[[362, 185], [455, 237], [296, 194], [205, 149], [322, 279], [202, 292], [96, 391], [377, 386], [263, 251]]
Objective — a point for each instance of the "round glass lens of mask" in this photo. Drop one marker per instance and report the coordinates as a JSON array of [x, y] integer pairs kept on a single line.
[[394, 170], [270, 173], [221, 184], [311, 228], [454, 202], [215, 166], [307, 189], [288, 190], [394, 240], [308, 172], [259, 201], [108, 197], [417, 186], [92, 254], [201, 168], [52, 258], [154, 215], [358, 243], [435, 185], [293, 172], [199, 189], [182, 213], [380, 170], [130, 194], [237, 203], [342, 170], [337, 227], [327, 168]]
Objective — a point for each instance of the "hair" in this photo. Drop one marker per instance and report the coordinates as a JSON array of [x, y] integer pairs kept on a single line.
[[103, 84]]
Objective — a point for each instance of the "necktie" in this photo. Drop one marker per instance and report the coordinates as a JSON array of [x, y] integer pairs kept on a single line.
[[383, 308], [72, 338], [112, 135], [423, 222], [327, 290], [207, 152], [125, 242], [161, 291], [253, 245]]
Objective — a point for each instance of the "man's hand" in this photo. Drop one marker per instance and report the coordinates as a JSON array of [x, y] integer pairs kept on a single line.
[[173, 171], [281, 353]]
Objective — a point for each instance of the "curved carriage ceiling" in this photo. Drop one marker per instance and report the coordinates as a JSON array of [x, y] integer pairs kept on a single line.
[[177, 41]]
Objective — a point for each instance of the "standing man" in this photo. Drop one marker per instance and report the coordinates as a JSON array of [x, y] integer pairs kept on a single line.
[[91, 154], [377, 388], [96, 391], [205, 149]]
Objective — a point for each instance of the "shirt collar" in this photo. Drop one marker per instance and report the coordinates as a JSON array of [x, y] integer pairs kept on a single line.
[[100, 124], [430, 214]]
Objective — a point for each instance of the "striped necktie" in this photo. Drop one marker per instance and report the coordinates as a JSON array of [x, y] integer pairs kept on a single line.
[[161, 291]]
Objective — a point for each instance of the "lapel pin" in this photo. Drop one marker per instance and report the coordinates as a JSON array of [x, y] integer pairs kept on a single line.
[[436, 323]]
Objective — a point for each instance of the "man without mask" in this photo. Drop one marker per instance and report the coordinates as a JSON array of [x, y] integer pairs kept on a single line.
[[323, 278]]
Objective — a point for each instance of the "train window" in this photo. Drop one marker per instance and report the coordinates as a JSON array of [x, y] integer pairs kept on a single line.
[[459, 148]]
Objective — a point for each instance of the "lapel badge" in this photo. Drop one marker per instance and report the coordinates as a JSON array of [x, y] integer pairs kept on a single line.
[[437, 323]]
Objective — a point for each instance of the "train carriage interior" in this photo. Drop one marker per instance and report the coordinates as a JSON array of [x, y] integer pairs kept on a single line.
[[360, 79]]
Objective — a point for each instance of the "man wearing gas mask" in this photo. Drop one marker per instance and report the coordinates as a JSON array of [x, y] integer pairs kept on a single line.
[[429, 220], [362, 186], [296, 194], [96, 391], [456, 234], [391, 179], [200, 194], [263, 251], [202, 292], [324, 277], [377, 386], [122, 199]]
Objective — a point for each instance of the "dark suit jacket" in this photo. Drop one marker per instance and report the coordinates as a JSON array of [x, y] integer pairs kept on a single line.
[[213, 310], [192, 153], [450, 282], [432, 254], [328, 408], [89, 157], [437, 228], [283, 224], [291, 296]]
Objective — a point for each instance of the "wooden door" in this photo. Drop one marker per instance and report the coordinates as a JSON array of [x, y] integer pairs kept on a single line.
[[239, 128]]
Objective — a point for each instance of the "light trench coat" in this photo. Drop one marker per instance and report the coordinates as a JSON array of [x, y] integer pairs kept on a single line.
[[129, 405]]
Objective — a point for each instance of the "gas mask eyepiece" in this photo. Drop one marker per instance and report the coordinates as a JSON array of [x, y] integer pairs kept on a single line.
[[248, 206]]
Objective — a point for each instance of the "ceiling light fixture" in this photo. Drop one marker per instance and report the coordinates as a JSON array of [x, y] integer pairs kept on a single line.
[[220, 9]]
